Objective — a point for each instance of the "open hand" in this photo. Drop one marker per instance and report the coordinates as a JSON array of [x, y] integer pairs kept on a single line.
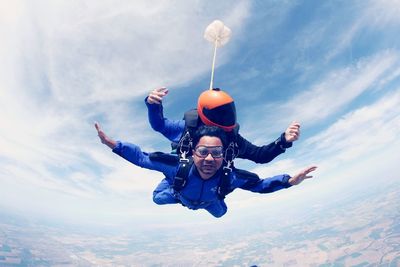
[[155, 96], [292, 133], [300, 177], [103, 137]]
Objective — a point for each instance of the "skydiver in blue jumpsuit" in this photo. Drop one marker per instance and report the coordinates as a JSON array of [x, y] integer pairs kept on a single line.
[[200, 191]]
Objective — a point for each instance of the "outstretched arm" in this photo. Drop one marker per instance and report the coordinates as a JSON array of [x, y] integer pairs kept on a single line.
[[134, 154], [251, 182], [171, 129], [266, 153]]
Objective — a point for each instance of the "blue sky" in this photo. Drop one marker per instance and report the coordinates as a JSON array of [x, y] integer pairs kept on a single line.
[[331, 65]]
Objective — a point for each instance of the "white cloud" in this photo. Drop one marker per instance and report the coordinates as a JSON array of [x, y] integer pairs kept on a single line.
[[129, 179], [338, 89], [374, 15], [331, 94], [360, 132], [68, 63], [391, 77], [104, 51]]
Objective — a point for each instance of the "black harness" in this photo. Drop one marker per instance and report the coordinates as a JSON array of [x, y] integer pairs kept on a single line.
[[182, 175], [185, 145], [184, 150]]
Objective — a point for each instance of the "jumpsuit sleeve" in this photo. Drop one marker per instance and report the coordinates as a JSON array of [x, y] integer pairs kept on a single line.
[[171, 129], [262, 154], [134, 155], [251, 182]]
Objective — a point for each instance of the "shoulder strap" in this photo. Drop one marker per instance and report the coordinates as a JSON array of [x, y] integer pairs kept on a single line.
[[225, 182], [191, 118], [182, 174], [184, 145], [183, 170], [232, 150], [164, 157]]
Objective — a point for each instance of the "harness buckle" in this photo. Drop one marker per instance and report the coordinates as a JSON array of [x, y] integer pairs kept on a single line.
[[182, 158], [185, 144], [228, 167]]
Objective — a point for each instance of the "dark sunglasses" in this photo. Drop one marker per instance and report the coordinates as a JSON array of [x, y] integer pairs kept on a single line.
[[215, 151]]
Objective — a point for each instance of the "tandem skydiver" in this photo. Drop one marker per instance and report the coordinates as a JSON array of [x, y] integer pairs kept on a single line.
[[215, 108], [206, 182]]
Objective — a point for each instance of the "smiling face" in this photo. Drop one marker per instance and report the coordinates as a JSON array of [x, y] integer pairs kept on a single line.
[[207, 165]]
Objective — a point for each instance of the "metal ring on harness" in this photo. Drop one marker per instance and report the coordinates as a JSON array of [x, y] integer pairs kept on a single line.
[[230, 154], [185, 144], [183, 158]]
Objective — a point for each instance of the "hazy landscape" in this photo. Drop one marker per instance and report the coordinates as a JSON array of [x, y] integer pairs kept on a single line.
[[362, 230]]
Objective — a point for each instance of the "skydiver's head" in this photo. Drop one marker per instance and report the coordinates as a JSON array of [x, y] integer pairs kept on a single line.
[[217, 108], [208, 151]]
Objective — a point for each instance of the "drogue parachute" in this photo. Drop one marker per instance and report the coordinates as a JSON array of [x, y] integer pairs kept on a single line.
[[218, 34]]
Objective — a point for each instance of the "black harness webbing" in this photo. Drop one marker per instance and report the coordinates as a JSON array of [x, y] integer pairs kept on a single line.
[[184, 149], [225, 182], [191, 117], [182, 174], [184, 146], [164, 157]]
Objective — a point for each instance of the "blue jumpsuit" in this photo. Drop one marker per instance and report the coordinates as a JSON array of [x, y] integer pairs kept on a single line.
[[197, 193]]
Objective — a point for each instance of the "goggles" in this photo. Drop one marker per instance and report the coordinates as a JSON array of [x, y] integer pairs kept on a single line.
[[215, 151]]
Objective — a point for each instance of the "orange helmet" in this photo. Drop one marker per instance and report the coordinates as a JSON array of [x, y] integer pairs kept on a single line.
[[217, 108]]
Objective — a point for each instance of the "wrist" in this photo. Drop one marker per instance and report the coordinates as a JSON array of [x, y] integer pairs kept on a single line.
[[111, 144], [282, 143], [288, 180], [147, 100]]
